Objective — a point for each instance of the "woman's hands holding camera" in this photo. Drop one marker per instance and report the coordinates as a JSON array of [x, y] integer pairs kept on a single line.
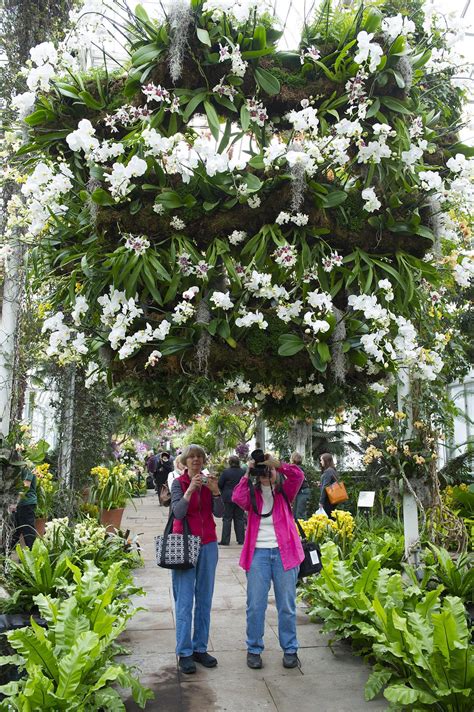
[[250, 466], [198, 481], [212, 485]]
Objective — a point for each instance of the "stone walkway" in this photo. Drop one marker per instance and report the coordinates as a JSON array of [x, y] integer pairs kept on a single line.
[[328, 681]]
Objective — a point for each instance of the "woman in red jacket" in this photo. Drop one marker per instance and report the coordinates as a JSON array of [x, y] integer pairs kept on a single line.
[[272, 552], [197, 498]]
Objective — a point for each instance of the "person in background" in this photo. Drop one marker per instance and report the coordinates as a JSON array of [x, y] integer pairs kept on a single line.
[[300, 508], [328, 476], [177, 472], [25, 510], [230, 477], [163, 468], [193, 588], [272, 552]]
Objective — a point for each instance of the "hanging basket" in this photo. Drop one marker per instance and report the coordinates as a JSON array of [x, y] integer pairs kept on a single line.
[[111, 518]]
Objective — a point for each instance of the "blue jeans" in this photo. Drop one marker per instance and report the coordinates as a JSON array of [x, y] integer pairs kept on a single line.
[[193, 588], [267, 567]]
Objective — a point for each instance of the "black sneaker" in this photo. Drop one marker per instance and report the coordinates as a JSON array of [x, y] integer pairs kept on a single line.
[[290, 660], [205, 659], [254, 661], [223, 543], [187, 664]]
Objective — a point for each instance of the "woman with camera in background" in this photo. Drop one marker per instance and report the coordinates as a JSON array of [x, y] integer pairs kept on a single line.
[[272, 551], [196, 497]]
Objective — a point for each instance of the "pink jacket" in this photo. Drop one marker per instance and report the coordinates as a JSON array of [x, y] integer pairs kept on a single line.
[[285, 528]]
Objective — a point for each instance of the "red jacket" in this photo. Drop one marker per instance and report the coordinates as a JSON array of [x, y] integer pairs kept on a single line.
[[200, 518]]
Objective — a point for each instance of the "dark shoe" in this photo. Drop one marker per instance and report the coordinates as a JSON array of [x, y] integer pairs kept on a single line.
[[187, 664], [290, 660], [254, 661], [223, 543], [205, 659]]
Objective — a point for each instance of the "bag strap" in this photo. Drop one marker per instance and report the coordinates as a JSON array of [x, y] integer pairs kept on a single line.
[[253, 501], [298, 525]]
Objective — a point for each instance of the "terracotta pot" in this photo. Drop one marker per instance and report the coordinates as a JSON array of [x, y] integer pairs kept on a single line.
[[111, 518], [40, 525]]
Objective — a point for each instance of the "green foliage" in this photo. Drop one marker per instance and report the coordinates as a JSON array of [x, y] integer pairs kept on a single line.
[[420, 644], [70, 663]]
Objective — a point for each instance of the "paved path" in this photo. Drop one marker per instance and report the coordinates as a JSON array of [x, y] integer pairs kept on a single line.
[[328, 682]]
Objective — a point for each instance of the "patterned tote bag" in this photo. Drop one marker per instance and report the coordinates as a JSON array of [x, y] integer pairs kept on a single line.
[[177, 551]]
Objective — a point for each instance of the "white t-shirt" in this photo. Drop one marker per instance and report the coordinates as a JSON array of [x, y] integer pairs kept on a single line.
[[266, 537], [172, 476]]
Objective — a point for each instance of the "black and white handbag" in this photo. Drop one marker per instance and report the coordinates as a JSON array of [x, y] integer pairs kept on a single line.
[[177, 551]]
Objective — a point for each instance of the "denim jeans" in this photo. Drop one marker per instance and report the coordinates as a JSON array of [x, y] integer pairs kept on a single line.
[[193, 588], [267, 567]]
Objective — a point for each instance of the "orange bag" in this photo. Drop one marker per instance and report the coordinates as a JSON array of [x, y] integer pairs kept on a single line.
[[336, 492]]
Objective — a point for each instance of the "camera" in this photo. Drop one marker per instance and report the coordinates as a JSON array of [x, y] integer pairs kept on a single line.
[[259, 469], [204, 479]]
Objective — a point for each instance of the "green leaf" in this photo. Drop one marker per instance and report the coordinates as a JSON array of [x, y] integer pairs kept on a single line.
[[331, 200], [39, 116], [174, 345], [74, 664], [102, 197], [244, 117], [324, 352], [90, 102], [141, 13], [213, 119], [395, 105], [290, 344], [376, 682], [145, 54], [170, 200], [401, 694], [267, 81], [374, 108], [203, 36], [193, 103]]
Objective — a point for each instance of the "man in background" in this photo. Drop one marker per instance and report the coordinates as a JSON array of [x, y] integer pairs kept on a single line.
[[229, 478]]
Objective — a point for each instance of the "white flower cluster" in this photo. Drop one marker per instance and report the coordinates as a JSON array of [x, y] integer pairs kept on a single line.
[[118, 313], [55, 530], [299, 219], [63, 340], [310, 388], [288, 311], [121, 175], [310, 52], [89, 535], [105, 151], [248, 318], [83, 138], [239, 65], [374, 151], [237, 10], [182, 312], [372, 203], [334, 260], [368, 51], [222, 300], [259, 284], [126, 115], [402, 349], [153, 358], [257, 111], [237, 236], [397, 25], [285, 256], [463, 271], [238, 386], [42, 190], [304, 120], [45, 57], [137, 243]]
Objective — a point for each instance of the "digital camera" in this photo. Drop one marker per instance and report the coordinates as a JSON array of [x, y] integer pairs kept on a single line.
[[259, 469]]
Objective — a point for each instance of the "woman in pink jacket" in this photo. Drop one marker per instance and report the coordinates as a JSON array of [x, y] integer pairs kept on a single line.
[[272, 551]]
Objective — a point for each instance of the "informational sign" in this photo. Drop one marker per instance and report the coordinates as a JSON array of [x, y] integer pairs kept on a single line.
[[366, 499], [314, 557]]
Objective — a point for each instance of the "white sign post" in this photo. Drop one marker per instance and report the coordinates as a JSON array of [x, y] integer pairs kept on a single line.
[[366, 500]]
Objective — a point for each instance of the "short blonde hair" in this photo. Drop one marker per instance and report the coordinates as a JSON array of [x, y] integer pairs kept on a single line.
[[190, 450]]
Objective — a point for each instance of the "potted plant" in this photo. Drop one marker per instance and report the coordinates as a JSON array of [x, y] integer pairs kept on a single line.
[[111, 489], [45, 491]]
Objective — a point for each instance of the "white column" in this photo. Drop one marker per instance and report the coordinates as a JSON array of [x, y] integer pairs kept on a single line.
[[67, 430], [410, 510], [12, 291]]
